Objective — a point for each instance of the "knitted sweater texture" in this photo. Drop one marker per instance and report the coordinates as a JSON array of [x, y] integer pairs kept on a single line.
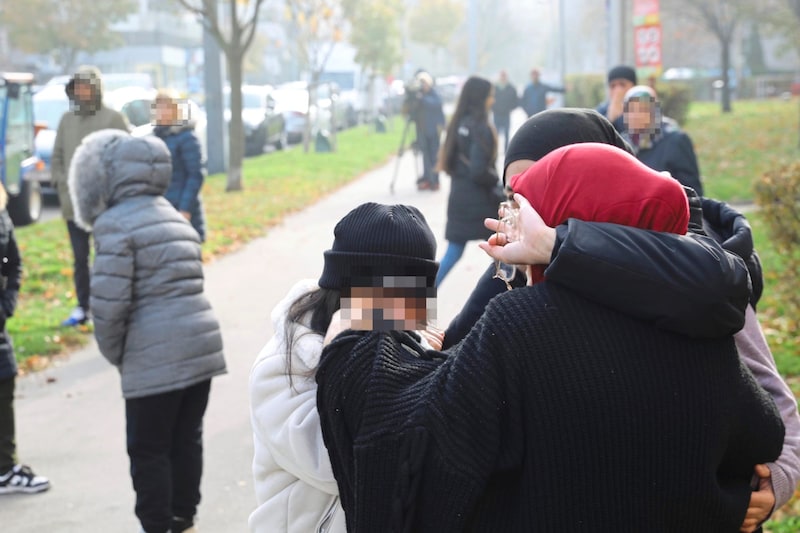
[[554, 414]]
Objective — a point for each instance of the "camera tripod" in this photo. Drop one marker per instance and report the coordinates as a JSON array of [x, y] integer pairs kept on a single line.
[[401, 149]]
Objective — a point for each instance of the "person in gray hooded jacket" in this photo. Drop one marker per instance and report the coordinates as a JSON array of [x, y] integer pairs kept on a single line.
[[152, 320]]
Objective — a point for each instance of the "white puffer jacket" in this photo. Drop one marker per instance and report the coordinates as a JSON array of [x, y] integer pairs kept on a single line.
[[294, 483]]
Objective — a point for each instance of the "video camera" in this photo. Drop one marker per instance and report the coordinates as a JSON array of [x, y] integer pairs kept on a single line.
[[411, 103]]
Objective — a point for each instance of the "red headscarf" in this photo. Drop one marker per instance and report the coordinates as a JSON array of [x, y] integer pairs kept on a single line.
[[601, 183]]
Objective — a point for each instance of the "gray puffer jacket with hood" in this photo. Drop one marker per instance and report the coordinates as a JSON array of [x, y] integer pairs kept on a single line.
[[151, 318]]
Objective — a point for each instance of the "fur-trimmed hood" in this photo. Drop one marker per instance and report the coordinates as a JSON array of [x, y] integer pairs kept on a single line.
[[111, 165]]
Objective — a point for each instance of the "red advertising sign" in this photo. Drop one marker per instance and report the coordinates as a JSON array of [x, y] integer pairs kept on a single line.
[[647, 37], [647, 42]]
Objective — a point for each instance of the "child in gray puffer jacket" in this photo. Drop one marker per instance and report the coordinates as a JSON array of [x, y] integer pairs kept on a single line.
[[151, 318]]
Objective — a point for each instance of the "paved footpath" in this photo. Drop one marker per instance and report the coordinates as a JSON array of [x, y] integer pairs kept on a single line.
[[70, 417]]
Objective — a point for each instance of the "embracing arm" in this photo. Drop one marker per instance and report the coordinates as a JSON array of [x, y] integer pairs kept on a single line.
[[684, 283], [756, 355]]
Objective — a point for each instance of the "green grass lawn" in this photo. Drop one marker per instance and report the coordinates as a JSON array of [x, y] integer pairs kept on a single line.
[[274, 184], [734, 148]]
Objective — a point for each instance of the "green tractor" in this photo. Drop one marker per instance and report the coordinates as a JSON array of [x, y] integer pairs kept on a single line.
[[20, 169]]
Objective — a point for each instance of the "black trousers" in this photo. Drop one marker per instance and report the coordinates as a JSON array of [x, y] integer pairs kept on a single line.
[[503, 127], [429, 146], [8, 445], [79, 239], [165, 446]]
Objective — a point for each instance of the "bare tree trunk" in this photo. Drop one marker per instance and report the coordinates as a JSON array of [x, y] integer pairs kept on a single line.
[[236, 127], [725, 45]]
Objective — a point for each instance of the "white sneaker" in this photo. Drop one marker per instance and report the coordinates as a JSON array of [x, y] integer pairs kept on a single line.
[[22, 479]]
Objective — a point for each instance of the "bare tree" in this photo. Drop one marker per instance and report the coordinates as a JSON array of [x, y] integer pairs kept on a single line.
[[234, 40], [316, 27], [721, 18]]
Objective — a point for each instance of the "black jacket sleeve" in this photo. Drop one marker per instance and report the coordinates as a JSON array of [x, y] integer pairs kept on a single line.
[[684, 283], [11, 270]]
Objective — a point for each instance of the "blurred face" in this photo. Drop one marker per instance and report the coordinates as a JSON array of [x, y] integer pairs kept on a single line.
[[84, 91], [639, 116], [503, 77], [384, 308], [165, 112], [535, 76]]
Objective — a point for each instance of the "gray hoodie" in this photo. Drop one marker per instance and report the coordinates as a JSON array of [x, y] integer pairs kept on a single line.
[[151, 318]]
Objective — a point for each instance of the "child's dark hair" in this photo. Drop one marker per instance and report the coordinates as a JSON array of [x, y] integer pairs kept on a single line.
[[321, 304]]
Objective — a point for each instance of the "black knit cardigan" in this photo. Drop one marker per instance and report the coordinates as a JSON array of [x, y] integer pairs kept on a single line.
[[554, 414]]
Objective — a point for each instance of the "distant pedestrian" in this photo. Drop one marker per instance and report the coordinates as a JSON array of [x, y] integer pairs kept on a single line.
[[620, 79], [429, 120], [152, 321], [175, 127], [468, 156], [658, 141], [506, 100], [86, 115], [534, 98], [14, 477]]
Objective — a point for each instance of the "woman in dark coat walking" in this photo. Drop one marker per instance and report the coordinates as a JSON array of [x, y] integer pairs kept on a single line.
[[468, 156]]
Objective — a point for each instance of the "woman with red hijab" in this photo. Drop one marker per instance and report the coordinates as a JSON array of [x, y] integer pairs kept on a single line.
[[554, 413]]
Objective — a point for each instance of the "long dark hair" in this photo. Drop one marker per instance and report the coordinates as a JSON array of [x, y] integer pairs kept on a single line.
[[321, 304], [471, 102]]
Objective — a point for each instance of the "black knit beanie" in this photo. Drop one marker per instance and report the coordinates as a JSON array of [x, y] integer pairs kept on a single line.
[[622, 72], [554, 128], [375, 240]]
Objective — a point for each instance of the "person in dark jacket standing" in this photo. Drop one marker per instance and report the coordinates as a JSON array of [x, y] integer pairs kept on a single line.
[[14, 477], [534, 97], [468, 156], [506, 100], [620, 79], [177, 131], [658, 141], [86, 115], [152, 320], [428, 117]]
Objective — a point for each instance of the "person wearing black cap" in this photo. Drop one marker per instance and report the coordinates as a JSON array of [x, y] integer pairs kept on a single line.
[[620, 79], [382, 258]]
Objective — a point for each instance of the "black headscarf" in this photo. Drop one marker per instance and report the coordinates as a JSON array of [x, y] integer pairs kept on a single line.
[[554, 128]]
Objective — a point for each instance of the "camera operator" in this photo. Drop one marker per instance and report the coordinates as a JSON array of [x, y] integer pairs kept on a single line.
[[425, 109]]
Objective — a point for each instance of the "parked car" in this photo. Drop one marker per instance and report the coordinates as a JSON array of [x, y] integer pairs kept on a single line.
[[291, 102], [291, 99], [263, 125], [20, 168]]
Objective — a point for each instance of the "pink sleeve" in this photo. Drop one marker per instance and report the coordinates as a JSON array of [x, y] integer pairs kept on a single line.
[[755, 353]]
